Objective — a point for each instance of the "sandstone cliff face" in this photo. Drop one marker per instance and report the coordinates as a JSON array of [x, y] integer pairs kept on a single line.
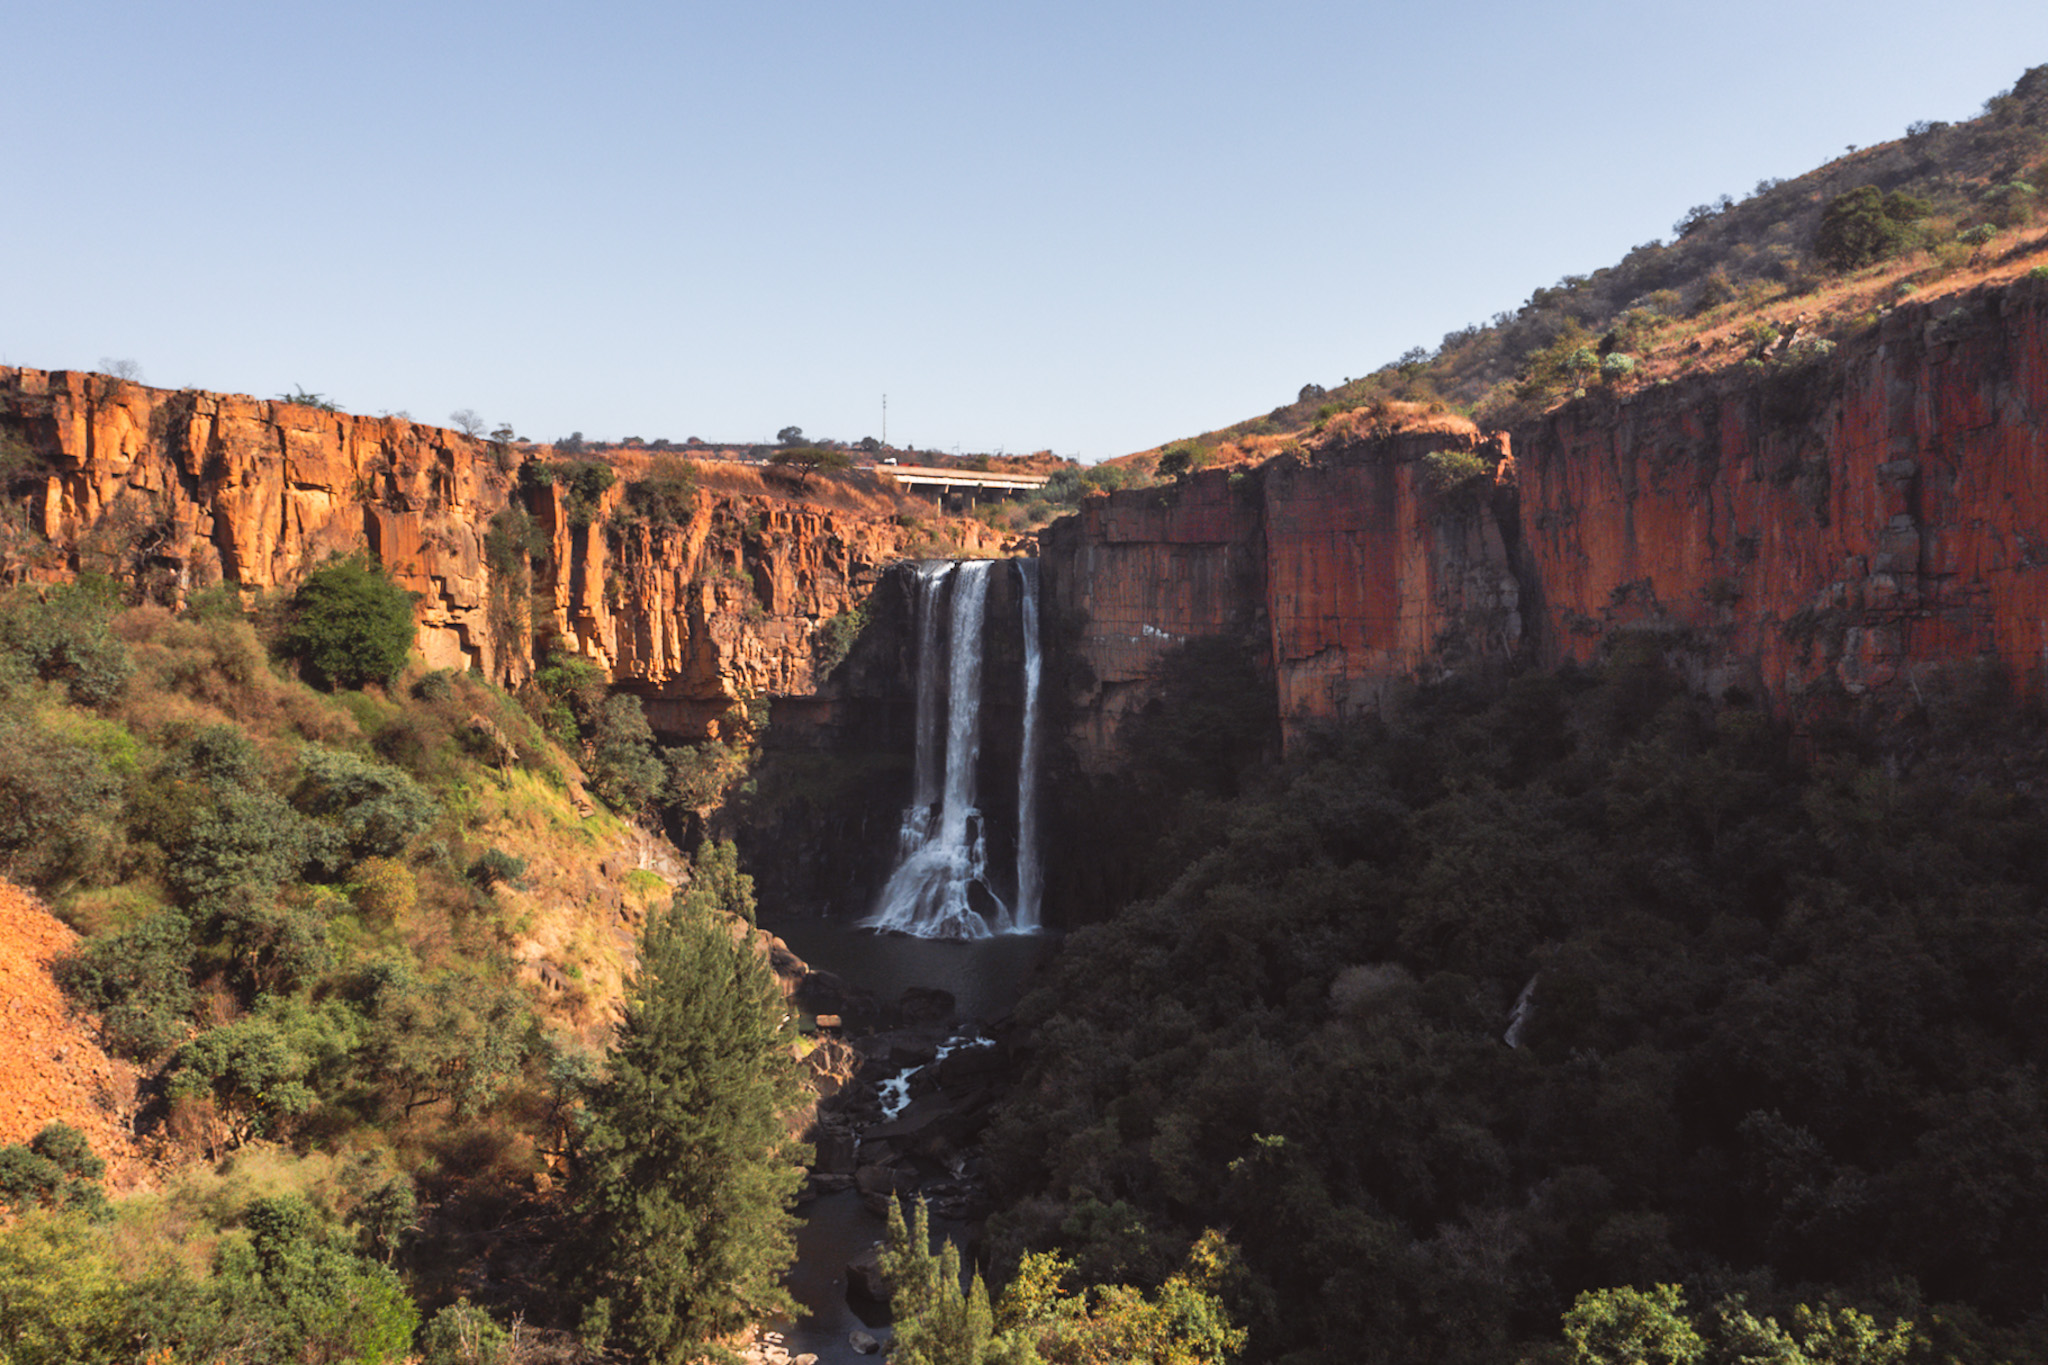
[[177, 490], [1345, 570], [1841, 527], [1845, 526]]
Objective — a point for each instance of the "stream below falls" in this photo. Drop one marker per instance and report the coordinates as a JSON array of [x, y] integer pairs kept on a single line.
[[985, 977]]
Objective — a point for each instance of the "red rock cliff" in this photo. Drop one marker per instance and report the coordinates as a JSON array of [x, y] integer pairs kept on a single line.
[[1344, 568], [178, 490], [1842, 525], [1839, 525]]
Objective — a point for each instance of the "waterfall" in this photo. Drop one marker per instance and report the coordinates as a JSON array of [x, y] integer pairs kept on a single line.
[[1030, 872], [940, 886], [916, 830]]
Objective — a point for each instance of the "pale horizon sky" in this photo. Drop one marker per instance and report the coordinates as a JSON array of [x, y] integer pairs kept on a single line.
[[1088, 227]]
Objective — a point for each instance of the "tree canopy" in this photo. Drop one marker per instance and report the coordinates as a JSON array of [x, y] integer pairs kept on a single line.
[[685, 1170], [351, 625]]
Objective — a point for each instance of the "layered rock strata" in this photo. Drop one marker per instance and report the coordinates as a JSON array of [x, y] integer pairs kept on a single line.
[[1834, 525], [178, 490]]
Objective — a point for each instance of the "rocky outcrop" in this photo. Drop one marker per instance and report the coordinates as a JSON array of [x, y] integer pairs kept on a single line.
[[1846, 524], [1349, 568], [174, 491], [1836, 524]]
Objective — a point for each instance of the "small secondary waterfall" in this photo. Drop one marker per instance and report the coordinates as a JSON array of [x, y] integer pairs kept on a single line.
[[940, 887], [1030, 874]]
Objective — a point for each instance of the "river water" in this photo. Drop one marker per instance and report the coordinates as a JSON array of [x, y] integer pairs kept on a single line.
[[986, 977]]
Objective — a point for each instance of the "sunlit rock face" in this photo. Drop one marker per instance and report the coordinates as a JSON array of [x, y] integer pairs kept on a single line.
[[182, 489], [1813, 532]]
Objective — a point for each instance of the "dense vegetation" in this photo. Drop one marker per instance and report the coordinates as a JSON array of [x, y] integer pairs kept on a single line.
[[303, 916], [1586, 985]]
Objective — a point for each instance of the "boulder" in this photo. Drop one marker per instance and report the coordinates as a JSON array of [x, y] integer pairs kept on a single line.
[[864, 1343], [866, 1286]]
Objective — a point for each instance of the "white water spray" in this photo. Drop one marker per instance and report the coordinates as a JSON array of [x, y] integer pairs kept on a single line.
[[1030, 872], [940, 886]]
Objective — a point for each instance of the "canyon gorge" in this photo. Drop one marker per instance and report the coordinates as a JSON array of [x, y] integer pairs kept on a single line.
[[1813, 534]]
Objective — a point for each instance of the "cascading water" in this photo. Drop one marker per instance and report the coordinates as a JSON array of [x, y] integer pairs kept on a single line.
[[941, 887], [1030, 874]]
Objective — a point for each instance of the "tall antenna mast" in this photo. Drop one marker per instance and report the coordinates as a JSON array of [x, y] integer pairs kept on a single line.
[[885, 419]]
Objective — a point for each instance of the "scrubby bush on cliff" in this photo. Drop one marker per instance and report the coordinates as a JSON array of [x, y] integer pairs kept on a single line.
[[63, 634], [55, 1169], [1866, 225], [350, 625], [667, 496]]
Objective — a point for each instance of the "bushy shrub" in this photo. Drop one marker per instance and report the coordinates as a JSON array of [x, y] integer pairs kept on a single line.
[[463, 1334], [1447, 471], [624, 768], [495, 865], [350, 625], [55, 798], [667, 496], [56, 1169], [367, 810], [1866, 225], [138, 981], [64, 634]]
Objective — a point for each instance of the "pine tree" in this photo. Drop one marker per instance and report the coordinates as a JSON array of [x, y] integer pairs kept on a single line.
[[686, 1171]]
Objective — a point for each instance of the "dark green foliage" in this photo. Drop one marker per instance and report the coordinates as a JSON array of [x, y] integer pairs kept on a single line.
[[1175, 463], [1786, 1030], [667, 496], [512, 542], [365, 809], [138, 981], [249, 1070], [835, 639], [350, 625], [563, 697], [209, 806], [937, 1321], [64, 634], [455, 1036], [495, 865], [685, 1170], [56, 1169], [624, 768], [1867, 225], [55, 797], [579, 483], [463, 1334], [296, 1293]]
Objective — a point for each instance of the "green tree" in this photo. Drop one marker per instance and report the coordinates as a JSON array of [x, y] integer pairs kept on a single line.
[[625, 769], [350, 625], [808, 460], [686, 1172], [1865, 225], [1632, 1327], [937, 1321]]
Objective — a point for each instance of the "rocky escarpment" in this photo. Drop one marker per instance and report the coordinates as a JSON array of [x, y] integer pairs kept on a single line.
[[173, 491], [1832, 524], [1349, 569]]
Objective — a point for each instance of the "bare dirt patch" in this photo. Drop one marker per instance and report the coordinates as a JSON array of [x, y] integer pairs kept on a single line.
[[50, 1068]]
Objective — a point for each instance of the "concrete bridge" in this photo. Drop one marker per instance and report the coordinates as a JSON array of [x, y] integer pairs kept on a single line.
[[973, 484]]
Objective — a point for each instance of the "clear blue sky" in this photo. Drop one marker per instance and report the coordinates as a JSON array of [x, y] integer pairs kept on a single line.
[[1090, 226]]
